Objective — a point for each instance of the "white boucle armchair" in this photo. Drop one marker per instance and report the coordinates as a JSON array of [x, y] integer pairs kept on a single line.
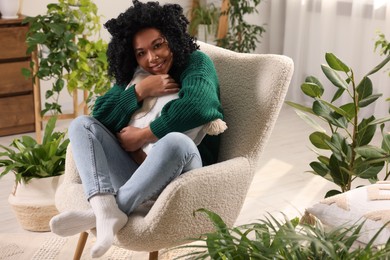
[[252, 88]]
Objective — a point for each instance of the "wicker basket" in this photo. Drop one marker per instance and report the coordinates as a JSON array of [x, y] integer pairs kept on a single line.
[[33, 203]]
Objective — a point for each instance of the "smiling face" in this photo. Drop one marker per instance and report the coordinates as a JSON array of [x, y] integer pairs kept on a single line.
[[152, 51]]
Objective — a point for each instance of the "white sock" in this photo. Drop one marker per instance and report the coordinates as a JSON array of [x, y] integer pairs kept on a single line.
[[109, 220], [70, 223]]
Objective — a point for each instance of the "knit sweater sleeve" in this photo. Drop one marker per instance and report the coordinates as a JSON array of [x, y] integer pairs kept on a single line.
[[114, 109], [198, 101]]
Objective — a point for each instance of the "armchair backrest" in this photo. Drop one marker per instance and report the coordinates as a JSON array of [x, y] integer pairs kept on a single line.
[[252, 88]]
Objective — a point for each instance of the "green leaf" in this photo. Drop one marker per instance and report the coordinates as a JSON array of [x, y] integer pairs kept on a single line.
[[37, 38], [57, 28], [58, 85], [48, 135], [314, 80], [338, 94], [370, 152], [369, 100], [318, 140], [364, 89], [338, 110], [321, 108], [319, 168], [380, 120], [215, 219], [312, 90], [334, 77], [349, 110], [26, 73], [300, 107], [339, 146], [323, 159], [339, 177], [368, 170], [332, 193], [366, 131], [379, 66], [310, 121], [386, 143], [335, 63]]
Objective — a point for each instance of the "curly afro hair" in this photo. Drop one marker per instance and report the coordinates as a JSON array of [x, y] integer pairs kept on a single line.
[[168, 19]]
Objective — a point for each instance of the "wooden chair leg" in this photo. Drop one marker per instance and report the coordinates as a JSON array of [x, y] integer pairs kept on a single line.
[[80, 245], [153, 255]]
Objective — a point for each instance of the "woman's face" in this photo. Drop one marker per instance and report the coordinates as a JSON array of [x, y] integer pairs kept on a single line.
[[152, 51]]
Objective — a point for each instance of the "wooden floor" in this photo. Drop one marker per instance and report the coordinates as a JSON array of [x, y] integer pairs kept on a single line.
[[280, 185]]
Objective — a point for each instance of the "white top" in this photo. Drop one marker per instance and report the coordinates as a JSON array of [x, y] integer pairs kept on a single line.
[[151, 109]]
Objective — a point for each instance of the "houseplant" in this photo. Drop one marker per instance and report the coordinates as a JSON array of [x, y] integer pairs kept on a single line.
[[241, 36], [351, 154], [75, 60], [275, 239], [204, 22], [35, 165], [9, 9]]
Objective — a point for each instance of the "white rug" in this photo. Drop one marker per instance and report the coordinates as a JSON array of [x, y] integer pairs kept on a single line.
[[47, 246]]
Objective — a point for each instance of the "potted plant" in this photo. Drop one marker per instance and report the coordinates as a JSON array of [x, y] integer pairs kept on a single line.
[[275, 239], [241, 35], [9, 9], [349, 153], [75, 60], [37, 169], [204, 22]]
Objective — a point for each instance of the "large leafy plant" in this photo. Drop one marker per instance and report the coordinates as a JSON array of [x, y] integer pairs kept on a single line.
[[28, 159], [275, 239], [74, 59], [349, 152]]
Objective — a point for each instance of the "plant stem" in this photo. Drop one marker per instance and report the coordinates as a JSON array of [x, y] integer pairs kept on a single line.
[[355, 127]]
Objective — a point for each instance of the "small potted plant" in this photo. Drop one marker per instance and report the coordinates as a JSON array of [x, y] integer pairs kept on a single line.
[[204, 22], [37, 169]]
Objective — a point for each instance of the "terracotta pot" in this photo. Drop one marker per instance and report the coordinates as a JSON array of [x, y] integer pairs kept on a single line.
[[9, 9], [33, 203]]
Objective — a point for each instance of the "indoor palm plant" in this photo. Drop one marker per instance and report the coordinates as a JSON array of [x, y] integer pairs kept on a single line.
[[37, 168], [75, 59]]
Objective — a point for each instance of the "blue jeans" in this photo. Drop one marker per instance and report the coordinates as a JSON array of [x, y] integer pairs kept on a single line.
[[104, 167]]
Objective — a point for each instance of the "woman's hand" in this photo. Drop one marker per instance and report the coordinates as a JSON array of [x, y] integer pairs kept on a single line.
[[133, 138], [155, 86], [138, 156]]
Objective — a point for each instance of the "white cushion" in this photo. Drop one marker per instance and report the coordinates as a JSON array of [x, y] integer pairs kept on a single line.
[[370, 204]]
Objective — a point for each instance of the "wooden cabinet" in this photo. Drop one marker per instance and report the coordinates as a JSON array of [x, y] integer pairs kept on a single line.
[[16, 92]]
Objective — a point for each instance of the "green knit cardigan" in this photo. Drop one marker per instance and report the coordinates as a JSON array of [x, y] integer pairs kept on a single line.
[[198, 104]]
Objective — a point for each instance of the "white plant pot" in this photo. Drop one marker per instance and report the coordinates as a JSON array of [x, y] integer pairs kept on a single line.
[[33, 203], [9, 9], [204, 36]]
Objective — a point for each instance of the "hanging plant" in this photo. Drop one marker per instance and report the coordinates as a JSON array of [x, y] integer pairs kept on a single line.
[[68, 30]]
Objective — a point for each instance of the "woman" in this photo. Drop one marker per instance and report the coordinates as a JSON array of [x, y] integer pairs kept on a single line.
[[116, 174]]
